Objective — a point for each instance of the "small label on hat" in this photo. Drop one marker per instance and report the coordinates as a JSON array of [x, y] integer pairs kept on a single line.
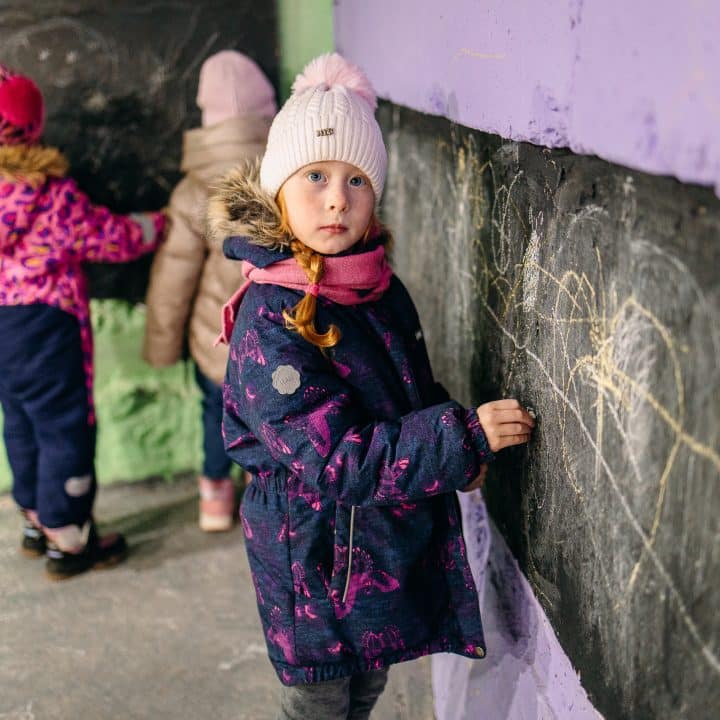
[[325, 131]]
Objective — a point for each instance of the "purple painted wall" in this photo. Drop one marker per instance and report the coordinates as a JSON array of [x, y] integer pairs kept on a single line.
[[637, 83], [526, 675]]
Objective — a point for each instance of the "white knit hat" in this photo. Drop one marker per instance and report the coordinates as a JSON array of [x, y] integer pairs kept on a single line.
[[330, 115], [232, 85]]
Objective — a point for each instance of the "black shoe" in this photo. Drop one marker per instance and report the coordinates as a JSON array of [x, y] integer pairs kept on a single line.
[[34, 541], [99, 552]]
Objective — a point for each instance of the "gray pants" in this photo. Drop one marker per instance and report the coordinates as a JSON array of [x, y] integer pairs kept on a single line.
[[350, 698]]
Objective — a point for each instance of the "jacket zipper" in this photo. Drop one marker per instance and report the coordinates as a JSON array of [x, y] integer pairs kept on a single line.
[[350, 549]]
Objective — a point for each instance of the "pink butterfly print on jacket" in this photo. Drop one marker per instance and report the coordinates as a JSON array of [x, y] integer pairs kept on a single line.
[[285, 533], [377, 643], [299, 581], [242, 440], [333, 469], [341, 369], [249, 349], [258, 590], [364, 579], [388, 488], [407, 374], [447, 557], [314, 423], [305, 610], [264, 312], [280, 636], [299, 490], [273, 441], [247, 528]]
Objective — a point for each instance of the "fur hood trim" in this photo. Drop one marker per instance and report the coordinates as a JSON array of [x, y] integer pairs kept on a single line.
[[238, 206], [31, 163]]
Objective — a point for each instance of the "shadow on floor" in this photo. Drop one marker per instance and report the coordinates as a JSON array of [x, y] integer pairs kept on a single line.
[[162, 522]]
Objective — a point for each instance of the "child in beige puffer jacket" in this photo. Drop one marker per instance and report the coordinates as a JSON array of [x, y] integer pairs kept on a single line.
[[190, 278]]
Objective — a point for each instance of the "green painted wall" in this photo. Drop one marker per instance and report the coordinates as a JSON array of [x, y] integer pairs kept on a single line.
[[305, 29]]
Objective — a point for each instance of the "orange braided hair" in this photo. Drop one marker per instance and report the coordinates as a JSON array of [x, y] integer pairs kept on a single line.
[[301, 318]]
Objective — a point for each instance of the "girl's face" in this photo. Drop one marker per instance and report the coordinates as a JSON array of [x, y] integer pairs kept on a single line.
[[329, 205]]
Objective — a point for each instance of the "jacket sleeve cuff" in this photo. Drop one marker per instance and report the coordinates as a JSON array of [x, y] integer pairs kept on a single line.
[[475, 437], [153, 226]]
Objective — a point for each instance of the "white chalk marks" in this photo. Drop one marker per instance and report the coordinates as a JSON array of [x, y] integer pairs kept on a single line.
[[612, 330], [580, 301]]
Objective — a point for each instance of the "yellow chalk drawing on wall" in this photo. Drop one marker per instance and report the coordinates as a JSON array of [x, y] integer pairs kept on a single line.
[[598, 338]]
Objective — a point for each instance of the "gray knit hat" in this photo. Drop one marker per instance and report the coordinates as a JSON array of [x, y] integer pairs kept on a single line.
[[330, 115]]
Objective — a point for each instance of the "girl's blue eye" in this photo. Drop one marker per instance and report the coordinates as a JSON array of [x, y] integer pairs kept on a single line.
[[357, 181], [315, 176]]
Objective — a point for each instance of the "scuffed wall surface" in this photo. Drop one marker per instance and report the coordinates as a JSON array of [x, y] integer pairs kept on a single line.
[[120, 81], [592, 294], [636, 83]]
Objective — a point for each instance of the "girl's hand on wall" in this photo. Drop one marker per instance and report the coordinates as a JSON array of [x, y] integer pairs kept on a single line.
[[479, 481], [505, 423]]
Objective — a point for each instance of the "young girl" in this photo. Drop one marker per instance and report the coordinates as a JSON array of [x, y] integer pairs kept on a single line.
[[351, 520], [190, 278], [48, 228]]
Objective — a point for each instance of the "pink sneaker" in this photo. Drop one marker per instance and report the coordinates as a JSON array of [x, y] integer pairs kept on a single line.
[[217, 504]]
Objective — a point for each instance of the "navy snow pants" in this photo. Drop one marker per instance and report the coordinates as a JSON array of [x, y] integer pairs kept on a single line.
[[50, 443]]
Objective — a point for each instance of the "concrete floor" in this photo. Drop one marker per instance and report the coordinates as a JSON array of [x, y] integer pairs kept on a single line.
[[172, 633]]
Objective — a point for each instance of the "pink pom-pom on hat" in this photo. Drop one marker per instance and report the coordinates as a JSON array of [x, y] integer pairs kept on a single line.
[[328, 116], [333, 69]]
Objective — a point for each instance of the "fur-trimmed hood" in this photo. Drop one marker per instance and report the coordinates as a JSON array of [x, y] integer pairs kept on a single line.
[[239, 207], [31, 163]]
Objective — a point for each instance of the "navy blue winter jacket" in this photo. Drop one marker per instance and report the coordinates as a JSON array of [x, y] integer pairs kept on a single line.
[[355, 453]]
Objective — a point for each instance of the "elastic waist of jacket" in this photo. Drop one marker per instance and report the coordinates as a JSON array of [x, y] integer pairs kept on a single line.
[[276, 483]]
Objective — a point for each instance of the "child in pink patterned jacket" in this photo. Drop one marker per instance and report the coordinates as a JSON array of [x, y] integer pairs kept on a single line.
[[48, 228]]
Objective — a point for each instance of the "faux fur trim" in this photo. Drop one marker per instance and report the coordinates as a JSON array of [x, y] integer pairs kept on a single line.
[[239, 206], [31, 163]]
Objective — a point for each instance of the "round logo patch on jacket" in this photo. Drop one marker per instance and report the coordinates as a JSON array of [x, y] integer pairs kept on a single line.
[[286, 379]]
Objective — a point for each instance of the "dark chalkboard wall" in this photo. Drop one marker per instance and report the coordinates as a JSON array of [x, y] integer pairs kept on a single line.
[[119, 80], [592, 293]]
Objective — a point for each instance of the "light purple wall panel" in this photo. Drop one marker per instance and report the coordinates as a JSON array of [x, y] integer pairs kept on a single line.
[[526, 675], [637, 83]]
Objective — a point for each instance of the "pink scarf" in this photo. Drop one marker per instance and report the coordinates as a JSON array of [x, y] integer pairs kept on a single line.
[[347, 280]]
